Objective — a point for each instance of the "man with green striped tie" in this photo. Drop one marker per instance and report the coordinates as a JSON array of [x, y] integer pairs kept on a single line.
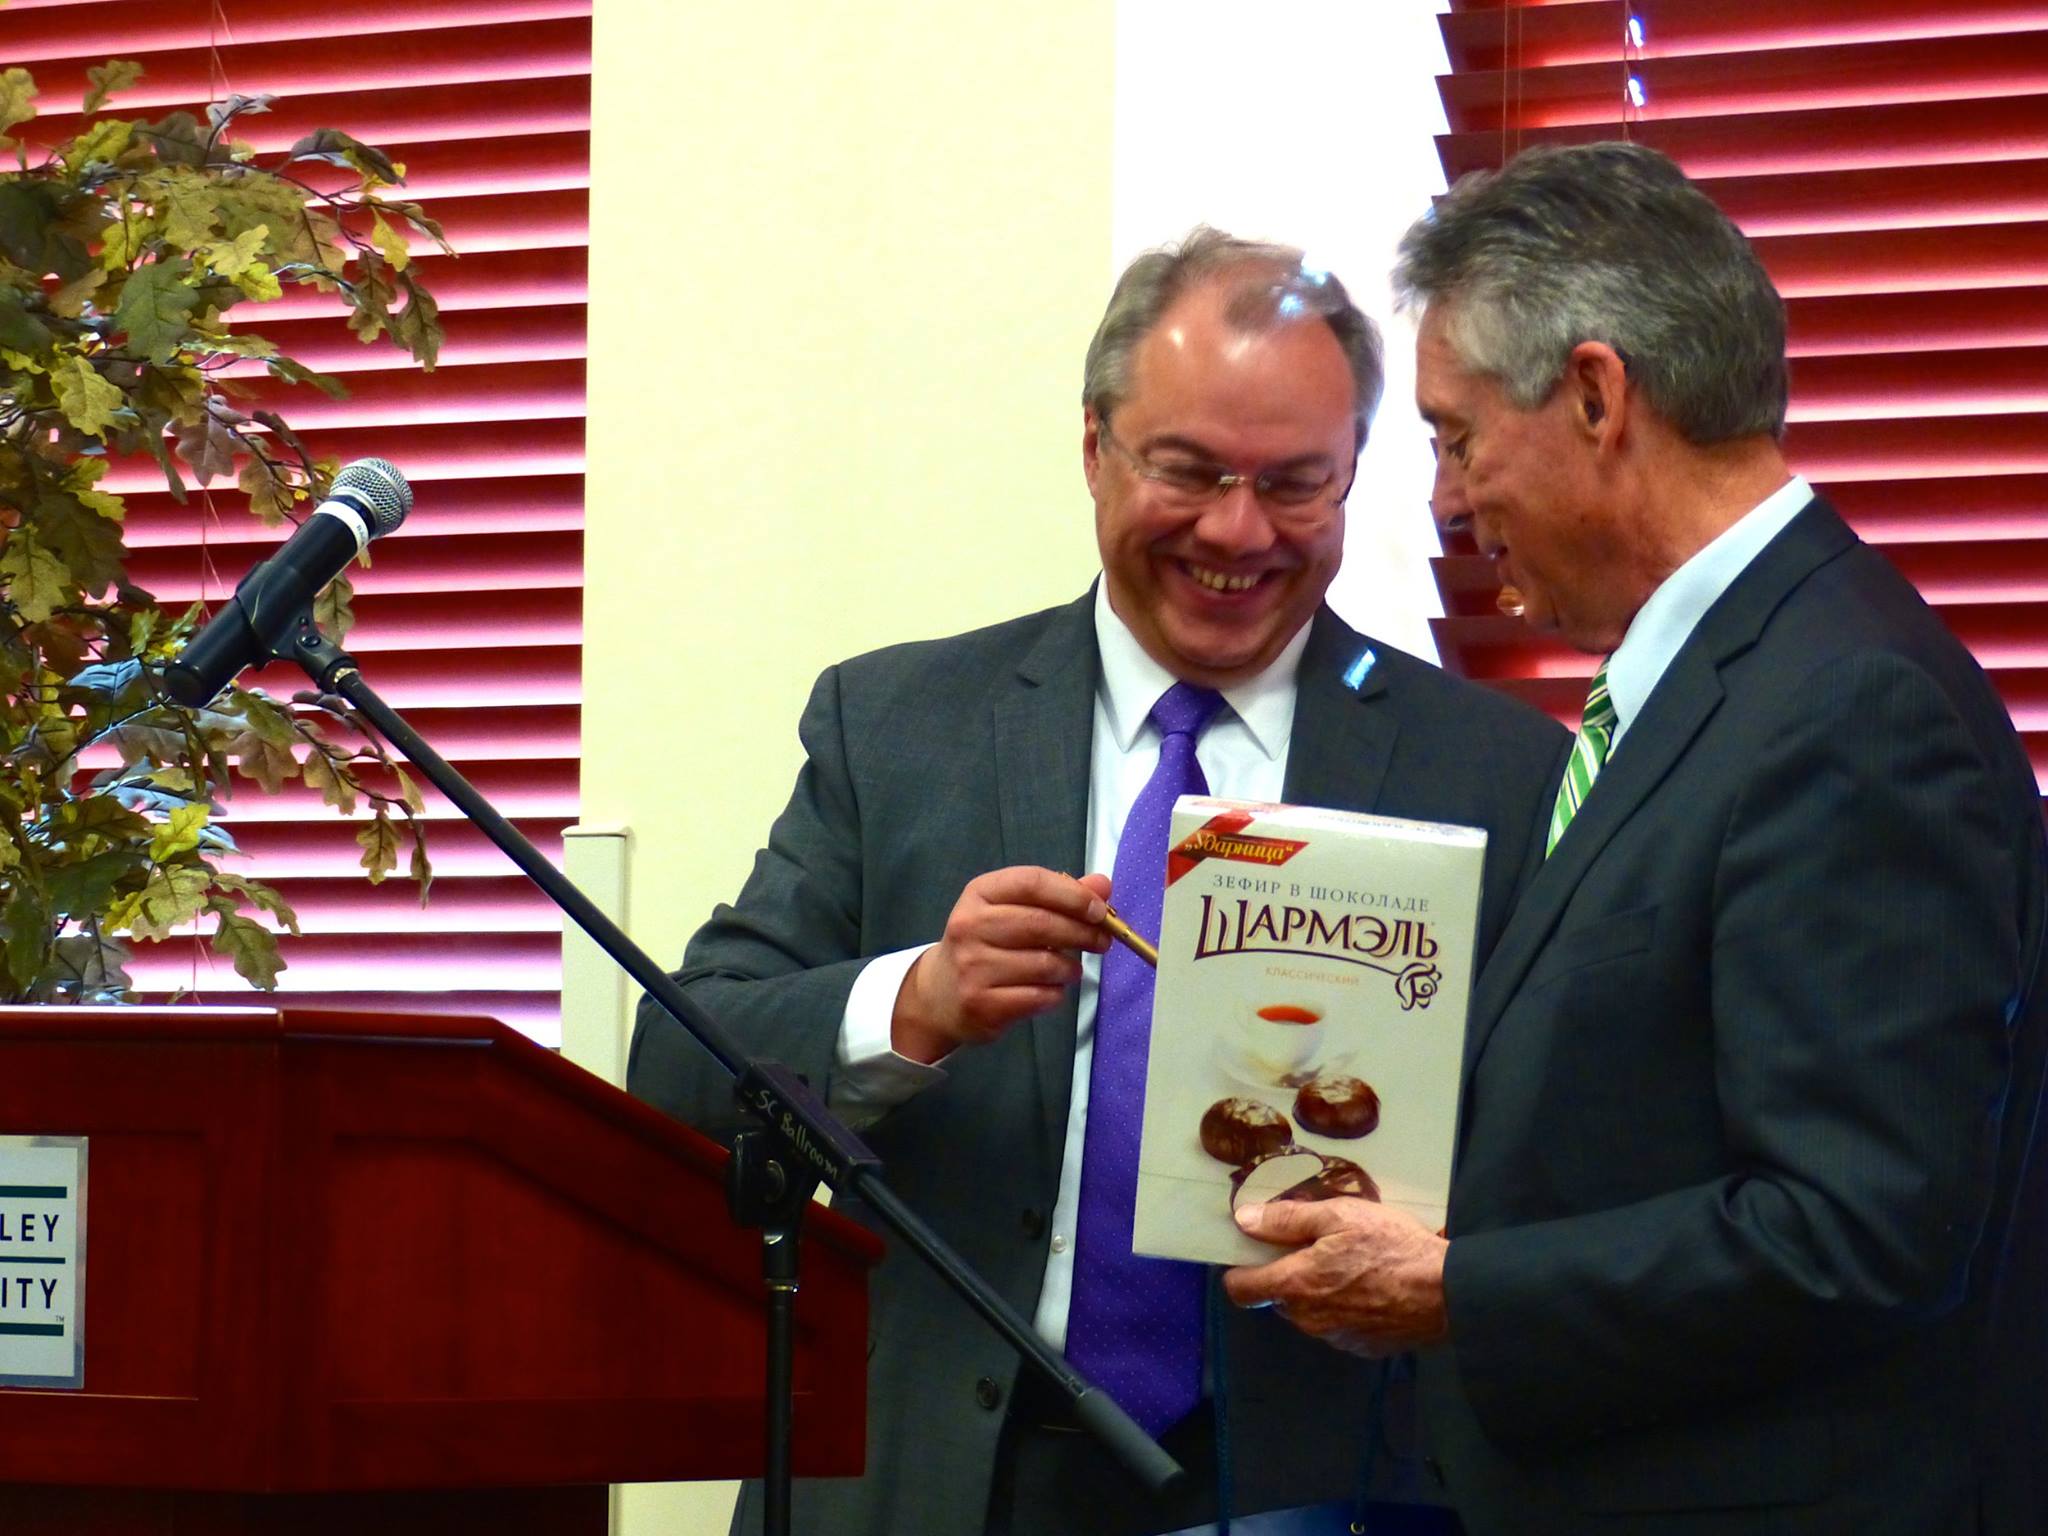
[[1744, 1231]]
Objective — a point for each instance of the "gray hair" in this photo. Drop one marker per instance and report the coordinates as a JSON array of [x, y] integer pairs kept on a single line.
[[1268, 284], [1608, 243]]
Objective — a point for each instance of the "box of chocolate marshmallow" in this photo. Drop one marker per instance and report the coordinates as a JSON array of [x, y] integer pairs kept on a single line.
[[1308, 1024]]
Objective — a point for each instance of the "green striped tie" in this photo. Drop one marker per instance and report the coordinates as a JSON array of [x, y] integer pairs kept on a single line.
[[1589, 751]]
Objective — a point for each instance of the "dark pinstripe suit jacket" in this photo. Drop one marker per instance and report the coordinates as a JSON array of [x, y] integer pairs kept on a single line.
[[926, 765], [1750, 1080]]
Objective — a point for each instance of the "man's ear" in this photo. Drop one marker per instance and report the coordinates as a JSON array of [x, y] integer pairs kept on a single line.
[[1091, 446], [1598, 381]]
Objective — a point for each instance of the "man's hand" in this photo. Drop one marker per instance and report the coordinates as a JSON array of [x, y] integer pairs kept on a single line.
[[1370, 1280], [1009, 951]]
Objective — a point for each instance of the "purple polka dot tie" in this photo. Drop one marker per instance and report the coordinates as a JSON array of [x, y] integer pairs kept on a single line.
[[1134, 1327]]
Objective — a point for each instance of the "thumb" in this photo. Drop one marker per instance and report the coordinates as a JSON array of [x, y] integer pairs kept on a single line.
[[1286, 1222]]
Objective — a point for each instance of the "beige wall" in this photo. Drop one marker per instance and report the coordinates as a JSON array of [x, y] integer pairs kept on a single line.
[[844, 262]]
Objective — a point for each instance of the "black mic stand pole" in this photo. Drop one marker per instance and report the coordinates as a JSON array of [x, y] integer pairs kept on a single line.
[[773, 1170]]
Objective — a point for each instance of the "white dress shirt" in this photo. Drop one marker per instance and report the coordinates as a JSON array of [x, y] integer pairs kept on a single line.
[[1243, 753], [1675, 609]]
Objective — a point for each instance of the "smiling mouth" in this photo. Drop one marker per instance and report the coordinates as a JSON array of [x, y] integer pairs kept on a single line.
[[1221, 581]]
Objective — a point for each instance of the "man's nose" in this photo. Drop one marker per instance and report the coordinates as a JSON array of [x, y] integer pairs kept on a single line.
[[1447, 502], [1237, 522]]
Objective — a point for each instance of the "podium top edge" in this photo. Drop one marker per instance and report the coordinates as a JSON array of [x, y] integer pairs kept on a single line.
[[243, 1022]]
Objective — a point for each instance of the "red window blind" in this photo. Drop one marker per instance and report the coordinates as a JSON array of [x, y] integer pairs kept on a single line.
[[1889, 158], [470, 619]]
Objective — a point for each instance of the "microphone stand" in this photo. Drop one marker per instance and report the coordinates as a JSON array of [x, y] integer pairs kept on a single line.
[[773, 1170]]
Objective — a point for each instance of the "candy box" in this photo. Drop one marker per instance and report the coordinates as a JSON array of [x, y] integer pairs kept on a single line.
[[1308, 1024]]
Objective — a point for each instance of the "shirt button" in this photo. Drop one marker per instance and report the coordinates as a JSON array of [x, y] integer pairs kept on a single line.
[[987, 1393], [1059, 1242]]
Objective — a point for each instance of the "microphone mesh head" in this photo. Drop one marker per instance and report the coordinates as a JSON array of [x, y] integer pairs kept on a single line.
[[375, 488]]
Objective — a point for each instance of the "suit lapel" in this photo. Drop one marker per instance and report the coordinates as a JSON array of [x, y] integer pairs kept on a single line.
[[1043, 723], [1341, 744], [1672, 717]]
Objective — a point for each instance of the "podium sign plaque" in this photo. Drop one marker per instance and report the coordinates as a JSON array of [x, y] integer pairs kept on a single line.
[[42, 1261]]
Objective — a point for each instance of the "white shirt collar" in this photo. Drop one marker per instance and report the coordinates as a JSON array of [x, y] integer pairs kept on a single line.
[[1674, 610], [1132, 683]]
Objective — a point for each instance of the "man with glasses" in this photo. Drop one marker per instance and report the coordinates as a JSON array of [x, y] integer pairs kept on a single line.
[[922, 935], [1747, 1231]]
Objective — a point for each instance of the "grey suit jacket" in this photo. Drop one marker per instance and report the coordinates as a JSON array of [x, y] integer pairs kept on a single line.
[[1750, 1081], [927, 765]]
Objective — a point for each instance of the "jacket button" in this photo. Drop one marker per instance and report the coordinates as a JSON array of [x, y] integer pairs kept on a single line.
[[1436, 1470], [1034, 1224], [987, 1393]]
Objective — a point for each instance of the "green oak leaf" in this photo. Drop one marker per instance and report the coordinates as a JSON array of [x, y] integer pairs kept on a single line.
[[390, 242], [105, 79], [337, 148], [81, 889], [21, 329], [334, 609], [187, 203], [266, 719], [87, 543], [422, 869], [257, 894], [270, 494], [267, 763], [230, 257], [37, 582], [335, 788], [25, 925], [252, 947], [417, 327], [156, 308], [71, 300], [17, 97], [298, 373], [174, 894], [372, 295], [103, 142], [85, 397], [379, 842]]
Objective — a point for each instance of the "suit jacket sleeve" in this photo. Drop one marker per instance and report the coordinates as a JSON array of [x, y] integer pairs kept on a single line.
[[775, 966], [1850, 1006]]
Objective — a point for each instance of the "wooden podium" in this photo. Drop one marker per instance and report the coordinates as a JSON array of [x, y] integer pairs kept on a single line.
[[353, 1274]]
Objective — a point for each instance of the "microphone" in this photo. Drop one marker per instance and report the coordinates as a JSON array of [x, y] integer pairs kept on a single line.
[[369, 498]]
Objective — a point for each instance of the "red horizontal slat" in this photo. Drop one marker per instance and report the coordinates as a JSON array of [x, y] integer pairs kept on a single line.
[[284, 851], [520, 791], [1889, 385], [1890, 197], [1923, 322], [392, 114], [1920, 70], [1909, 260], [1591, 30], [2011, 127], [1866, 450], [551, 388], [1963, 507], [402, 564], [512, 962], [464, 451], [492, 677], [447, 508], [442, 56], [66, 30]]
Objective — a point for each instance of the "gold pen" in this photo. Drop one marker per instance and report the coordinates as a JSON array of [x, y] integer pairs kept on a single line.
[[1129, 937]]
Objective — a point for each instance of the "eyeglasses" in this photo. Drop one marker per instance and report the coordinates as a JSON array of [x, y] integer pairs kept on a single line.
[[1196, 482]]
